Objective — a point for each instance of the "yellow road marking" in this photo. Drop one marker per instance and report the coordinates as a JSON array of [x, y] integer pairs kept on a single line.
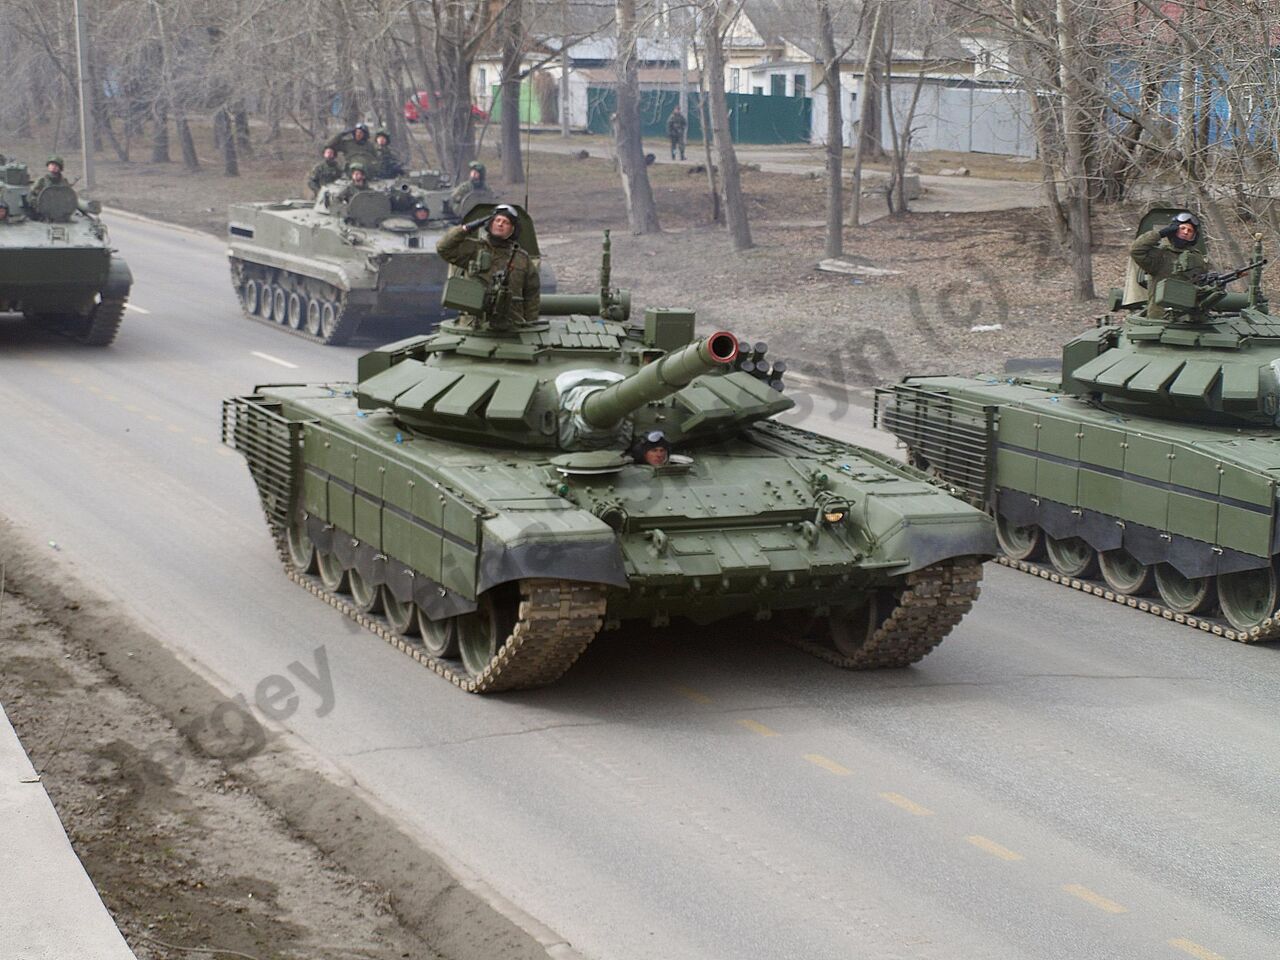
[[1195, 950], [93, 389], [225, 452], [200, 440], [112, 398], [174, 428], [1095, 899], [993, 848], [154, 419], [75, 380], [695, 695], [759, 728], [898, 800], [827, 764], [132, 408]]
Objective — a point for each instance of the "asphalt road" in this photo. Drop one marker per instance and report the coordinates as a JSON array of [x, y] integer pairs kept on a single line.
[[1062, 780]]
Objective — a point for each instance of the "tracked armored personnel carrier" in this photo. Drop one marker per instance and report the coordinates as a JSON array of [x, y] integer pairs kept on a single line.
[[487, 499], [327, 268], [1146, 473], [57, 266]]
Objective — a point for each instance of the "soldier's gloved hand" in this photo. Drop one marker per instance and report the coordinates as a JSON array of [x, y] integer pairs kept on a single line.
[[474, 225], [1171, 229]]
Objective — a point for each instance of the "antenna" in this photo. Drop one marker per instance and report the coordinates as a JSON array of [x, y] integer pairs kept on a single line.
[[528, 148]]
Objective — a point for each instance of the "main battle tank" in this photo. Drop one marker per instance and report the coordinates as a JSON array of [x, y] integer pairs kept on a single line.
[[491, 499], [1146, 473], [327, 268], [57, 266]]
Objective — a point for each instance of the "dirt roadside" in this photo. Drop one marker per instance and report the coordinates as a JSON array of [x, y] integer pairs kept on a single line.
[[205, 832]]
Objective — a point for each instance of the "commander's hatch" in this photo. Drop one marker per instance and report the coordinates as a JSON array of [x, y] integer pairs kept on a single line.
[[1134, 294]]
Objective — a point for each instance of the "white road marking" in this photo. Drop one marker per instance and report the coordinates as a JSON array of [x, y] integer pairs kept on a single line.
[[276, 360], [135, 308]]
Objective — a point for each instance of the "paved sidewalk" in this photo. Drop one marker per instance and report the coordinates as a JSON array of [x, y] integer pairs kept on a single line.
[[49, 909]]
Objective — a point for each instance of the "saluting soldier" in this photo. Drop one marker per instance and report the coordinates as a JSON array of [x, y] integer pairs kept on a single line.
[[497, 237], [353, 144], [1169, 252]]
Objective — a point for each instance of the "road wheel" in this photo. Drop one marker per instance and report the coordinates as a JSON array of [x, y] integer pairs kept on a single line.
[[439, 637], [1184, 594], [313, 316], [1071, 556], [302, 552], [851, 630], [365, 595], [297, 311], [332, 575], [400, 614], [480, 634], [279, 304], [1124, 574], [328, 319], [250, 296], [267, 302], [1019, 543], [1248, 597]]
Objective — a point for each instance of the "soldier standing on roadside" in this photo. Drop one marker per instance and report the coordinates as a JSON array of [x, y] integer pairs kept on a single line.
[[326, 171], [494, 240], [676, 127], [385, 163]]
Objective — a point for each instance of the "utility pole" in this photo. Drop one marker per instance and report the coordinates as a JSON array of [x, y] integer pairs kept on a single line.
[[564, 69], [86, 102]]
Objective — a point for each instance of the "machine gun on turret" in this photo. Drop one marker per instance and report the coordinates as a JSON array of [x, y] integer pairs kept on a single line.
[[1220, 280]]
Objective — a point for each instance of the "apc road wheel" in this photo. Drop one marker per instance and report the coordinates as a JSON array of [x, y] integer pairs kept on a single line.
[[266, 302], [251, 295], [1184, 594], [332, 575], [1019, 543], [1071, 556], [279, 305], [1248, 597], [480, 634], [439, 637], [297, 311], [328, 320], [302, 552], [400, 614], [850, 633], [1124, 574], [313, 316], [366, 596]]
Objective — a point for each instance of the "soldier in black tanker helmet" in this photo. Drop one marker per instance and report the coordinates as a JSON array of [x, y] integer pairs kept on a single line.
[[493, 244], [474, 184], [1171, 251], [52, 177], [353, 144], [421, 214], [326, 171], [676, 127], [385, 162]]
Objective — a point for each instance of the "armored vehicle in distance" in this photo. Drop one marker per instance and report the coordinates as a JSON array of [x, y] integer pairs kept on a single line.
[[1146, 473], [324, 269], [57, 267], [491, 498]]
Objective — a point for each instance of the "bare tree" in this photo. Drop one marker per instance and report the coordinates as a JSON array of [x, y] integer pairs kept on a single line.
[[512, 29], [830, 66], [642, 211], [717, 17]]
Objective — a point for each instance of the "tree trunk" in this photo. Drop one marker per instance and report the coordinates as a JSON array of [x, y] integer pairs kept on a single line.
[[231, 161], [1074, 122], [512, 37], [189, 158], [735, 207], [704, 112], [565, 105], [835, 131], [642, 211], [244, 142], [868, 92], [160, 142]]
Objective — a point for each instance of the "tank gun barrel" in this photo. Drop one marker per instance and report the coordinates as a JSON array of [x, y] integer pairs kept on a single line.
[[659, 379]]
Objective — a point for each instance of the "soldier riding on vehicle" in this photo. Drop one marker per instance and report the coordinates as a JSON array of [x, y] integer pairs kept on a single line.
[[474, 188], [489, 250], [1171, 251], [52, 177], [385, 162], [353, 144], [326, 171]]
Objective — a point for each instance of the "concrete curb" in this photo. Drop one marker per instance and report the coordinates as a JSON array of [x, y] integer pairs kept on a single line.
[[116, 213], [49, 908]]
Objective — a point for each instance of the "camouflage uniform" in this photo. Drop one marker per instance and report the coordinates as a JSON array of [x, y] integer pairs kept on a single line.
[[324, 172], [47, 180], [385, 164], [1159, 259], [351, 149], [464, 190], [676, 126], [459, 248]]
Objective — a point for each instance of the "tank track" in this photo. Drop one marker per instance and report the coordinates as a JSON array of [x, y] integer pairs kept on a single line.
[[103, 322], [1268, 630], [934, 600], [555, 622], [348, 321]]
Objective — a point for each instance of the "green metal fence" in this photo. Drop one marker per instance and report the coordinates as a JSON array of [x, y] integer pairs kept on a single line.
[[753, 118]]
